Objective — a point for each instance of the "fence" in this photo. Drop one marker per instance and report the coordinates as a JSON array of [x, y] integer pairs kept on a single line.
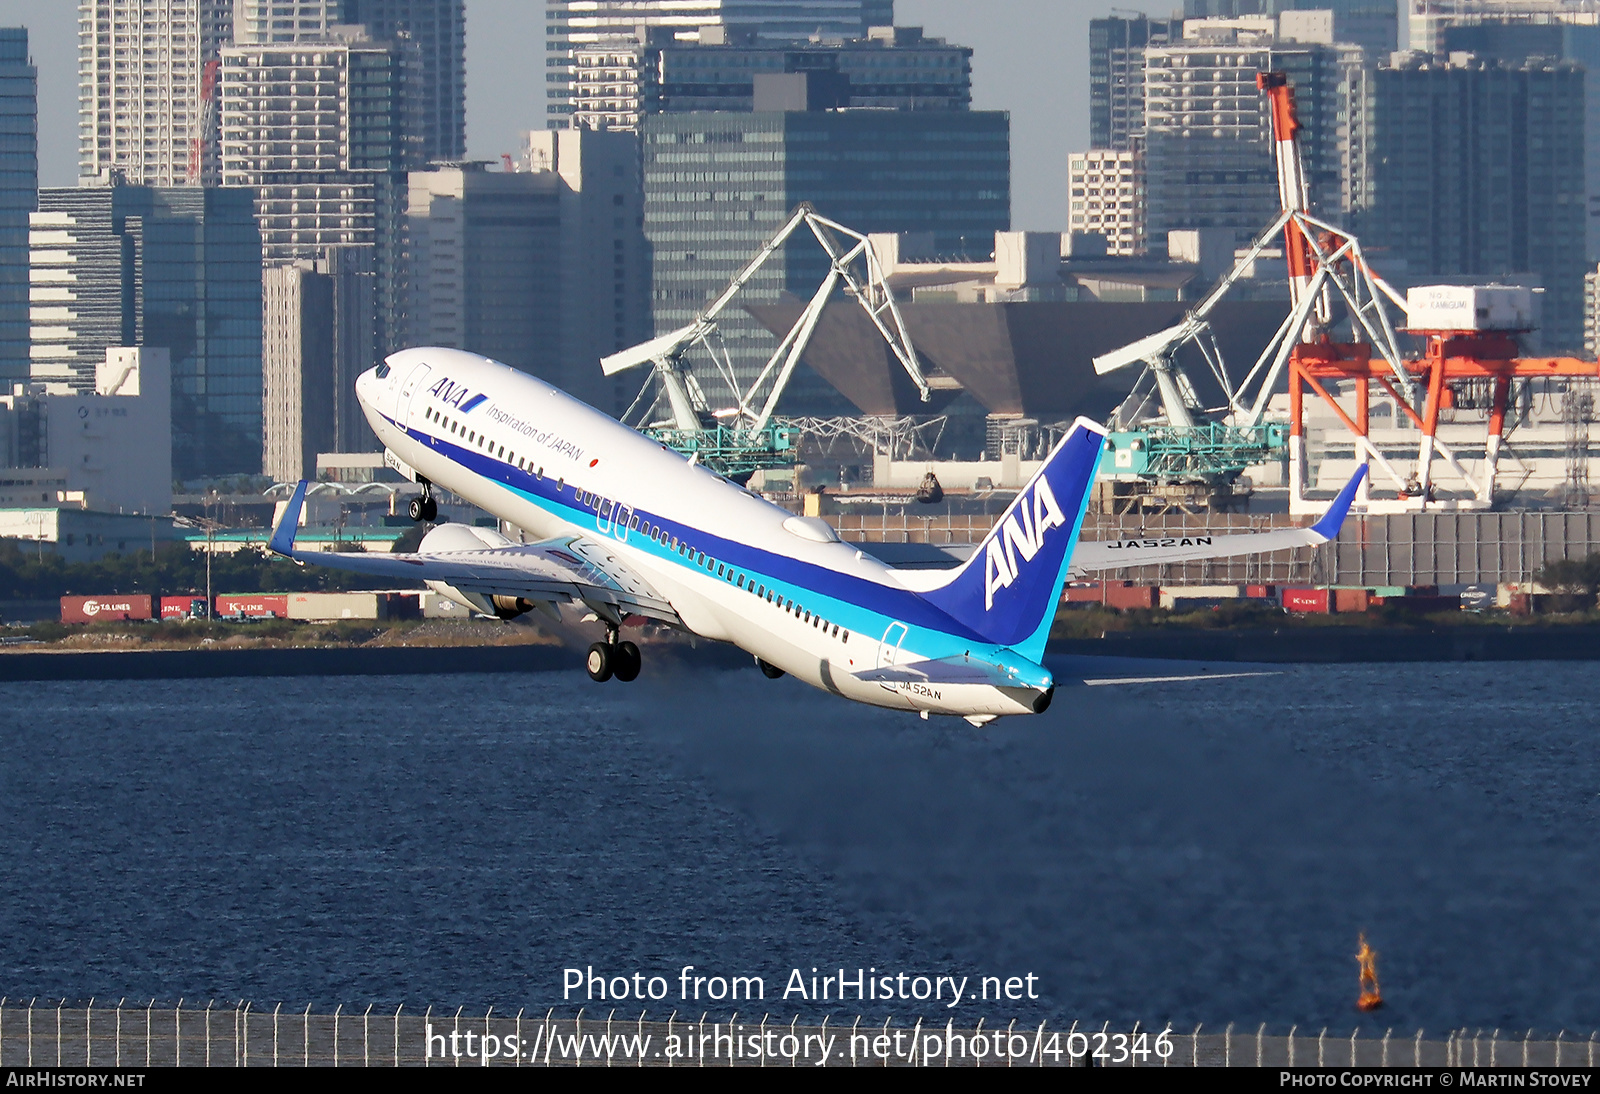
[[1400, 549], [241, 1035]]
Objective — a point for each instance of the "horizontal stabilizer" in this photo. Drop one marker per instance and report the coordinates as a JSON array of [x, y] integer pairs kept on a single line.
[[957, 670]]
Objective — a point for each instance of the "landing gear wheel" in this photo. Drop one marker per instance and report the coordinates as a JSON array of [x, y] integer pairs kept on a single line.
[[771, 672], [625, 661], [430, 510], [417, 510], [599, 662]]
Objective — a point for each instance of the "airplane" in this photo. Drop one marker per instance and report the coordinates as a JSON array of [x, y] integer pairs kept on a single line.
[[637, 533]]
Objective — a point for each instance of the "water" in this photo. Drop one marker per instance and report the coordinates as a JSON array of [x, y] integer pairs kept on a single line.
[[1186, 851]]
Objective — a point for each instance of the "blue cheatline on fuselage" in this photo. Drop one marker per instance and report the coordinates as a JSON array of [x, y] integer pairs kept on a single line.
[[961, 617]]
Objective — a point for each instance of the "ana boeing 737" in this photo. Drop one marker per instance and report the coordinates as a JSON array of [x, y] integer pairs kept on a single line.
[[637, 533]]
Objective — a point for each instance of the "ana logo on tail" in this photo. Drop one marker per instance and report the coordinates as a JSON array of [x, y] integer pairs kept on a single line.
[[1024, 537]]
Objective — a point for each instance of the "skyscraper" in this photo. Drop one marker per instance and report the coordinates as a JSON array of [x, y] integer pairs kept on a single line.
[[486, 264], [19, 196], [177, 268], [298, 374], [1374, 25], [1428, 19], [1116, 76], [542, 268], [1475, 168], [145, 85], [434, 34], [430, 36], [892, 68], [314, 128], [571, 24], [1208, 142], [717, 186]]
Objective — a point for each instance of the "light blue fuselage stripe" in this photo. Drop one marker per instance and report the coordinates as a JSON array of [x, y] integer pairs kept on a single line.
[[863, 607]]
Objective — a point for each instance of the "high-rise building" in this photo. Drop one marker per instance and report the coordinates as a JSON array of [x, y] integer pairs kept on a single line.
[[486, 264], [176, 268], [298, 377], [1427, 20], [434, 36], [717, 186], [19, 196], [1208, 140], [892, 68], [1475, 169], [146, 80], [1374, 25], [1106, 198], [315, 129], [574, 24], [429, 36], [1116, 76], [1516, 42], [605, 264], [544, 268]]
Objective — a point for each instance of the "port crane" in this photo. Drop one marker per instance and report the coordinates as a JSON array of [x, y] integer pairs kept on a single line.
[[747, 436], [1325, 264]]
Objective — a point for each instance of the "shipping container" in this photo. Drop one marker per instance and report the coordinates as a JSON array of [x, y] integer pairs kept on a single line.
[[1307, 600], [1121, 595], [93, 609], [322, 607], [1351, 600], [1418, 605], [1127, 597], [1261, 592], [253, 606], [1195, 597], [183, 607]]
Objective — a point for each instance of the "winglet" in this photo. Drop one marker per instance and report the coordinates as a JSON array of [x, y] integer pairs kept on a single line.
[[282, 541], [1328, 527]]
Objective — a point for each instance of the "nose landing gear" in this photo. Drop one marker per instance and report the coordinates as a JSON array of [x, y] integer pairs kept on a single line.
[[424, 508]]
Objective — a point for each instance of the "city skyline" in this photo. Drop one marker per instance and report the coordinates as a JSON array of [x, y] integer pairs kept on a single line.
[[1040, 76]]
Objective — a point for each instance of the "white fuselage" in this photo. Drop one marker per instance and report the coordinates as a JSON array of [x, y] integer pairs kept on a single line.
[[735, 567]]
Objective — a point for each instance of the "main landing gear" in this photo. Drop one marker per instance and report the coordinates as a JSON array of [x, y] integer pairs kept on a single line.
[[771, 672], [612, 658], [424, 508]]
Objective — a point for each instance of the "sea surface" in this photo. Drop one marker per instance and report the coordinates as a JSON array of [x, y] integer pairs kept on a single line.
[[1184, 850]]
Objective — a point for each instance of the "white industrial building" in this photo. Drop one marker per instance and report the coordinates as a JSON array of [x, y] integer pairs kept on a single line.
[[108, 450]]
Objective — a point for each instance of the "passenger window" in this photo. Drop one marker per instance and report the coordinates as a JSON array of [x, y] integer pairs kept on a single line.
[[846, 637], [836, 630], [633, 522], [719, 569], [561, 484], [740, 582]]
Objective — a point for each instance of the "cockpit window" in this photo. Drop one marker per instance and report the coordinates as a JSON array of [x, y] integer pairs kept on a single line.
[[383, 370]]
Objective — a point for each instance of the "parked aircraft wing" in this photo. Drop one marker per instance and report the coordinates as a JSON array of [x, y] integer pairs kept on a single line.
[[1183, 546]]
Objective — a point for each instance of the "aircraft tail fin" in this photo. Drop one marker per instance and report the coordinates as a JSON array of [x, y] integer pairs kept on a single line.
[[1008, 590]]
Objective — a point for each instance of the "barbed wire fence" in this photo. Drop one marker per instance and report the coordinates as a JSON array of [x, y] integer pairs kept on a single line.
[[133, 1035]]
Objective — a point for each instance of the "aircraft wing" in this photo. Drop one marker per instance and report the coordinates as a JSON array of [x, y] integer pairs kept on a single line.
[[1094, 555], [571, 568]]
